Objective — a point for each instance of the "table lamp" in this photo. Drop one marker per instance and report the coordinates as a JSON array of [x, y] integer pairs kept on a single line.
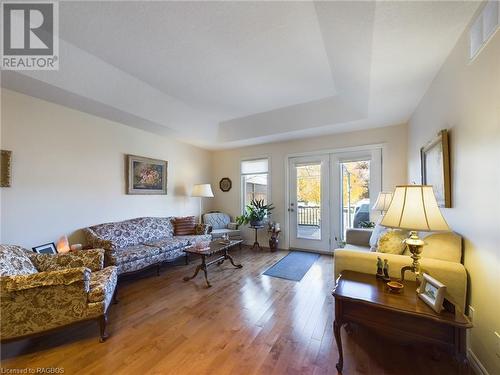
[[202, 191], [383, 201], [414, 207]]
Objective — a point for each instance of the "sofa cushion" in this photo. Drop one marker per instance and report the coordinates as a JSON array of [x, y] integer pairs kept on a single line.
[[356, 247], [376, 233], [102, 284], [217, 220], [443, 246], [391, 242], [14, 260], [184, 225], [132, 253], [194, 238], [169, 244]]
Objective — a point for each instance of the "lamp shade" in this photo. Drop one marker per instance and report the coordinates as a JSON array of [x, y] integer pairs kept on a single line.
[[383, 201], [202, 190], [414, 207]]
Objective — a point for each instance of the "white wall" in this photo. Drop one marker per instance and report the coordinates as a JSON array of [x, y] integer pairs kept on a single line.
[[465, 98], [68, 171], [226, 163]]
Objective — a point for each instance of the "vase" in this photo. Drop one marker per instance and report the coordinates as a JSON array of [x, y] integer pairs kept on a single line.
[[273, 243]]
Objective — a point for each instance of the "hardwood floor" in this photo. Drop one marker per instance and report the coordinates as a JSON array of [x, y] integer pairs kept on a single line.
[[246, 323]]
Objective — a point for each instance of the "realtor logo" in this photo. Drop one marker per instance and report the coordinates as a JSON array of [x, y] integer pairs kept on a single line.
[[30, 39]]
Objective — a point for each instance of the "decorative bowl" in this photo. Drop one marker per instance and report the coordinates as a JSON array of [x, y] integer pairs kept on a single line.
[[395, 286], [201, 245]]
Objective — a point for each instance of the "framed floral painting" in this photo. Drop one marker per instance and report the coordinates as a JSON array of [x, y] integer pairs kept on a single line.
[[146, 176], [435, 168]]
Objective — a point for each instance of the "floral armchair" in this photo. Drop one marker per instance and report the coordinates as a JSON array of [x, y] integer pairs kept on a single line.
[[41, 292], [221, 225]]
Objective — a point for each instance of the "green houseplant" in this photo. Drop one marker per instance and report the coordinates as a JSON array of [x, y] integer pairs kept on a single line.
[[255, 213]]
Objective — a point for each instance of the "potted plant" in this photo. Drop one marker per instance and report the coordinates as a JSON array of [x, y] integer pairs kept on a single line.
[[255, 213]]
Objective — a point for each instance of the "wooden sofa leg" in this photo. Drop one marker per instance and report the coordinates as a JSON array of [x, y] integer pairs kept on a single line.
[[158, 269], [103, 321], [187, 259]]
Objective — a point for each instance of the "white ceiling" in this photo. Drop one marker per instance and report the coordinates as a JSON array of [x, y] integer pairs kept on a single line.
[[224, 74]]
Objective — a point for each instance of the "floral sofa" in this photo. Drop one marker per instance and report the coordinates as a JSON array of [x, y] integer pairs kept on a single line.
[[135, 244], [41, 292]]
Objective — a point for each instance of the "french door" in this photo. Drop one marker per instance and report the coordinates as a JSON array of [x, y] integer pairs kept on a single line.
[[309, 212], [330, 193]]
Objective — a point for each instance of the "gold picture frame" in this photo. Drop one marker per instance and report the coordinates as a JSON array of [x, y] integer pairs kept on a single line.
[[146, 175], [435, 167], [5, 168]]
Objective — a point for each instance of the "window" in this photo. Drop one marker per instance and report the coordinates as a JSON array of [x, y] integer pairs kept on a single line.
[[485, 25], [254, 180]]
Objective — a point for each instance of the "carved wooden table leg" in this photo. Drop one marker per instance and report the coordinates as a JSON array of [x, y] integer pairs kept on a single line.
[[337, 324], [227, 256], [204, 268], [198, 268], [338, 340]]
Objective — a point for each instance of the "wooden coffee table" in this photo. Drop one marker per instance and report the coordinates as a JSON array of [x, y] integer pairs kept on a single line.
[[361, 298], [216, 248]]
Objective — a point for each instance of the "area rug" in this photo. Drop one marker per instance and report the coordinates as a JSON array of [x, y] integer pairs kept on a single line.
[[293, 266]]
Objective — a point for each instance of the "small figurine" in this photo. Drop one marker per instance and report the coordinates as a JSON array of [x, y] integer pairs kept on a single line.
[[386, 271], [380, 273]]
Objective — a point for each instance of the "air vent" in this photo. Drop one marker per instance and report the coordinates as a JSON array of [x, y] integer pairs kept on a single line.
[[483, 28]]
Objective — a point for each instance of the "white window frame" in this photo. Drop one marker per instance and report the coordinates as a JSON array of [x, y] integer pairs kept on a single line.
[[242, 182]]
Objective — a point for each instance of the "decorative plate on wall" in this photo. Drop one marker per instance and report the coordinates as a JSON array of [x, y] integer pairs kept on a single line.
[[225, 184]]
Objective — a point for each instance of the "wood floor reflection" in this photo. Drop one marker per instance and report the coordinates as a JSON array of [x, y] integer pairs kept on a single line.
[[246, 323]]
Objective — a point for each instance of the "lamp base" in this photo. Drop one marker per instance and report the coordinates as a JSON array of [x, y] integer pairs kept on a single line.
[[415, 245]]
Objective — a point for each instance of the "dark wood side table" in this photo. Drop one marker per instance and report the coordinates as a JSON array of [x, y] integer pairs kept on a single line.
[[256, 242], [361, 298], [215, 247]]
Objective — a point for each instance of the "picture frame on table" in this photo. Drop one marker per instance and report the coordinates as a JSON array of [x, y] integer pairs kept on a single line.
[[432, 292], [48, 248], [435, 167]]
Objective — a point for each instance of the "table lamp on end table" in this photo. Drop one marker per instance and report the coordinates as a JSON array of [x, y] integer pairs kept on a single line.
[[414, 207]]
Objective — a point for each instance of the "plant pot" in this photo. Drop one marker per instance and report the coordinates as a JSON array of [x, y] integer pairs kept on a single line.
[[256, 223]]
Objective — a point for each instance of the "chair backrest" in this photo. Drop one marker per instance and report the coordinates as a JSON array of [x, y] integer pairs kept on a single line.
[[218, 220], [14, 260], [134, 231]]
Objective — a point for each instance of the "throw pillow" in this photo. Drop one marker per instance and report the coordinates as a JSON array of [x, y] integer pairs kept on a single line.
[[376, 233], [391, 242], [184, 226]]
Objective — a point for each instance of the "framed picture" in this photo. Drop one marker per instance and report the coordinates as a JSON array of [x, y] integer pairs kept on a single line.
[[225, 184], [5, 165], [432, 292], [146, 176], [435, 168], [48, 248]]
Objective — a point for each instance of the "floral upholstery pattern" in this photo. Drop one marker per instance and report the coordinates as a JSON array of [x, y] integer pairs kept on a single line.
[[132, 253], [129, 232], [92, 259], [102, 284], [14, 260], [169, 244], [138, 243], [34, 302]]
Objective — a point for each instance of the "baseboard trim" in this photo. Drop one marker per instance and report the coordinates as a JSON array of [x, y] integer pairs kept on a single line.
[[476, 364]]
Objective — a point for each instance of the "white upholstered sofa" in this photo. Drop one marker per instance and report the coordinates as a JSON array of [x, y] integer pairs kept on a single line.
[[441, 258]]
